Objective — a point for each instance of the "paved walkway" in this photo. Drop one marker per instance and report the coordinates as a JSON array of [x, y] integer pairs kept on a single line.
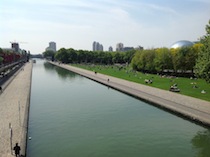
[[195, 109], [14, 105]]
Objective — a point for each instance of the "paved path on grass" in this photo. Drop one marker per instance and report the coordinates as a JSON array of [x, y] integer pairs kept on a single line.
[[14, 105], [192, 108]]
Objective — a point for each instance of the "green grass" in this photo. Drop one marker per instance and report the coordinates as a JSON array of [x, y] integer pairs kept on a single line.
[[184, 84]]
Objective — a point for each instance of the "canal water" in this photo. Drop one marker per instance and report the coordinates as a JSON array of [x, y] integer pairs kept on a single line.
[[72, 116]]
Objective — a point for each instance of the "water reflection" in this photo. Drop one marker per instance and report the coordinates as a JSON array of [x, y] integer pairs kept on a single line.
[[62, 73], [201, 142], [48, 67]]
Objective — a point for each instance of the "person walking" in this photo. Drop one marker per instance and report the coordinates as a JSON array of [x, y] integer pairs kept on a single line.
[[17, 150]]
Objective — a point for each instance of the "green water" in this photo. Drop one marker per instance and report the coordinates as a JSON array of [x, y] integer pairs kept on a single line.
[[71, 116]]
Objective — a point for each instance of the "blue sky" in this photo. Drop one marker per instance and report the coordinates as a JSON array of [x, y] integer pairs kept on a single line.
[[77, 23]]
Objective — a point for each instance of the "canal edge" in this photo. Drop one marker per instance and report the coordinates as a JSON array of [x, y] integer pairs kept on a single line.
[[160, 102], [27, 112]]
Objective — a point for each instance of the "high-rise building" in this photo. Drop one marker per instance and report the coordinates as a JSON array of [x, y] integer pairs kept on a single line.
[[15, 46], [97, 46], [110, 49], [52, 47], [94, 46], [101, 48], [119, 47]]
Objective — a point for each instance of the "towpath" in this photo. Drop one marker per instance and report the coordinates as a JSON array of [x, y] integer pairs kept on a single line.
[[195, 109], [14, 105]]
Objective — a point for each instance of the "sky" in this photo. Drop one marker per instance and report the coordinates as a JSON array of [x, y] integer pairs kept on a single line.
[[77, 23]]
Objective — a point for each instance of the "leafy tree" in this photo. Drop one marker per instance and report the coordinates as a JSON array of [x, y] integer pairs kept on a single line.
[[149, 57], [101, 57], [1, 51], [48, 54], [62, 55], [175, 59], [128, 56], [117, 57], [1, 59], [144, 60], [108, 58], [182, 58], [202, 68], [81, 56], [191, 56], [72, 55], [137, 62], [162, 59]]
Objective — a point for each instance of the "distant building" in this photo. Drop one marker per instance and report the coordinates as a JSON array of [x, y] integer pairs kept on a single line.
[[119, 47], [97, 46], [127, 48], [139, 48], [15, 46], [110, 49], [52, 47], [94, 45]]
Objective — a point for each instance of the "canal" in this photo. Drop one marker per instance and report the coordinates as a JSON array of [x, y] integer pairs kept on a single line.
[[72, 116]]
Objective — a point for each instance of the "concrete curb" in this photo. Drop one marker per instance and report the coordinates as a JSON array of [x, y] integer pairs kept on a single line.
[[24, 138]]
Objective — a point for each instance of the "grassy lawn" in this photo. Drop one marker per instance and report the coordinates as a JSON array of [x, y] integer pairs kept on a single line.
[[163, 82]]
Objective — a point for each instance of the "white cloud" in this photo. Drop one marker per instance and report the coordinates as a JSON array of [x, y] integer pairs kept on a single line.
[[77, 23], [200, 1]]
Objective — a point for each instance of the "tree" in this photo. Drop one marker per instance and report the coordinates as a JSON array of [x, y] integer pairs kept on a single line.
[[108, 58], [72, 56], [149, 57], [117, 57], [191, 56], [162, 59], [81, 56], [136, 60], [1, 51], [129, 55], [202, 67], [1, 59], [143, 60], [182, 58], [49, 54], [175, 59], [62, 55]]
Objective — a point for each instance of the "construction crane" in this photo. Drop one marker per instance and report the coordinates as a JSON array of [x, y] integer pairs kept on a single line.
[[21, 42]]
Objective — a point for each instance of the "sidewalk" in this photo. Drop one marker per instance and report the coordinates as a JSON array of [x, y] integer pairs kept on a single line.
[[14, 105], [192, 108]]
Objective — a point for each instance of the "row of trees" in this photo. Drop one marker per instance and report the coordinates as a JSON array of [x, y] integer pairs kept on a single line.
[[195, 58], [82, 56], [158, 60]]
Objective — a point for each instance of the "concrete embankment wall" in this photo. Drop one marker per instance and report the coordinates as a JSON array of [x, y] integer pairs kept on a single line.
[[14, 103], [194, 109]]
